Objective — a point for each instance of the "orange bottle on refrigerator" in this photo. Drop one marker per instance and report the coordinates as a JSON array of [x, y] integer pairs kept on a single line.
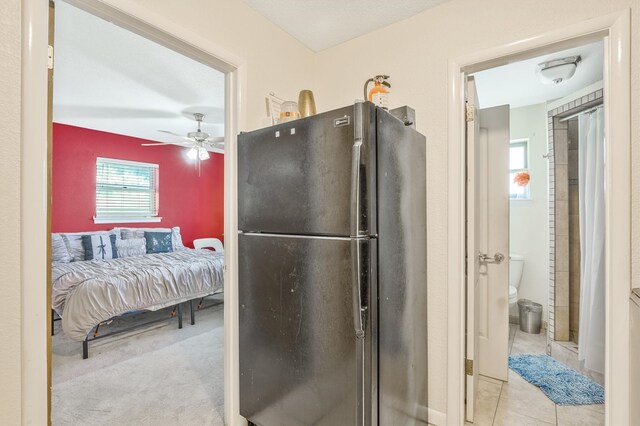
[[379, 93]]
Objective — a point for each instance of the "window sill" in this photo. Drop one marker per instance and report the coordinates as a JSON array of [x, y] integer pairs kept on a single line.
[[97, 220]]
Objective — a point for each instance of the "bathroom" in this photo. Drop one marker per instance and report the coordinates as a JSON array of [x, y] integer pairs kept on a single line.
[[545, 225], [553, 131]]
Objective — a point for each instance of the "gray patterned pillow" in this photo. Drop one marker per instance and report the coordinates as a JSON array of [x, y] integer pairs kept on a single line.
[[73, 241], [158, 242], [99, 247], [129, 233], [131, 247], [59, 252]]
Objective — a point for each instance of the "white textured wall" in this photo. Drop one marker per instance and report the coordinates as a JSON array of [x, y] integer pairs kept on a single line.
[[10, 363], [529, 219], [415, 52]]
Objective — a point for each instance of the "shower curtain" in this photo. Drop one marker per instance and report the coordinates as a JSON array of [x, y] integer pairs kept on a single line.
[[592, 239]]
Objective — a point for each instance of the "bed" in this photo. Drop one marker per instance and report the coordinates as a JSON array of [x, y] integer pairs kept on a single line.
[[86, 294]]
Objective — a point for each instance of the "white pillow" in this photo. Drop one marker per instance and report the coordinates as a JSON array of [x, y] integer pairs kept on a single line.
[[59, 252], [176, 239], [131, 247], [129, 233]]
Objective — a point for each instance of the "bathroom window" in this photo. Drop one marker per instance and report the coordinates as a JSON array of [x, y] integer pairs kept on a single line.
[[519, 170]]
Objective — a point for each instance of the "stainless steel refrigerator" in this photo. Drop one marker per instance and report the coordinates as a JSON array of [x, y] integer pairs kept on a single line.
[[332, 271]]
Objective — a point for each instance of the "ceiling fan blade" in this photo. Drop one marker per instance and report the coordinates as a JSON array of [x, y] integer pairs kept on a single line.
[[214, 144], [179, 143], [215, 139], [171, 133], [214, 147]]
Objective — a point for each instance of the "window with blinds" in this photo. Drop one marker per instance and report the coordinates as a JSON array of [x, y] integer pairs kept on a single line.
[[126, 190]]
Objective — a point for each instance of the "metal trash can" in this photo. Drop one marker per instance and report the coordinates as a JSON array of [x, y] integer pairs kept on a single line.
[[530, 316]]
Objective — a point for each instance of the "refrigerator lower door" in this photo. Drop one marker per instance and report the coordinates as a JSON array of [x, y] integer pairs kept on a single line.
[[300, 360]]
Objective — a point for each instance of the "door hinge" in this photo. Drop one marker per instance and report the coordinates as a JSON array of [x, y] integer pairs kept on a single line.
[[50, 57], [468, 367], [469, 112]]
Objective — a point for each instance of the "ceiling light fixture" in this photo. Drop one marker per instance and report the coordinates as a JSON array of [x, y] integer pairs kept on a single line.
[[203, 154], [558, 70], [198, 152], [193, 153]]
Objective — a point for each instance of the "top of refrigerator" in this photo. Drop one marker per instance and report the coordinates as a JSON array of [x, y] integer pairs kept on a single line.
[[313, 176]]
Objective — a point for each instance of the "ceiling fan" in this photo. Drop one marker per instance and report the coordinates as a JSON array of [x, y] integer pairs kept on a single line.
[[199, 141]]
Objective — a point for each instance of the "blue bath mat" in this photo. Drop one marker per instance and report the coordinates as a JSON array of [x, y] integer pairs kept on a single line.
[[560, 383]]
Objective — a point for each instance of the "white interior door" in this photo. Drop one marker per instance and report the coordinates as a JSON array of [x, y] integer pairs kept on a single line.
[[487, 238], [473, 266], [492, 219]]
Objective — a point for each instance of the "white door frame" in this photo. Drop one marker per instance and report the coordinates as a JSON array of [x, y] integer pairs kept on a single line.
[[35, 409], [617, 88]]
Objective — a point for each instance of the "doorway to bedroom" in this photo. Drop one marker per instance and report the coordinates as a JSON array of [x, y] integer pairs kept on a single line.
[[137, 222]]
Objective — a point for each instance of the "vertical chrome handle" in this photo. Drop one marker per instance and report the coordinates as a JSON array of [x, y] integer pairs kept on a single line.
[[360, 281], [358, 309], [355, 207]]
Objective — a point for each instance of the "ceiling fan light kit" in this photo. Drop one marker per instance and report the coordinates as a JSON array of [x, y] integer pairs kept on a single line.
[[200, 141], [558, 70], [198, 153], [193, 153]]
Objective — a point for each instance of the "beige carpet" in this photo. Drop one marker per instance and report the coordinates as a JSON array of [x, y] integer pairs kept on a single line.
[[159, 376]]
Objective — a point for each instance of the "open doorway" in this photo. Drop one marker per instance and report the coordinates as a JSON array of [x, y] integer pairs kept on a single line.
[[530, 267], [137, 202], [615, 30]]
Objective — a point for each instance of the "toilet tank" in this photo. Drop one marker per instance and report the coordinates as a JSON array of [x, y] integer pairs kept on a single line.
[[516, 265]]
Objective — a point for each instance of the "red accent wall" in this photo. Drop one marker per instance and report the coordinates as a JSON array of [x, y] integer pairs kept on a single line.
[[195, 203]]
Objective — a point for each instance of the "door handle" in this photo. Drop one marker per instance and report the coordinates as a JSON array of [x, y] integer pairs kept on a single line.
[[359, 308], [496, 258], [355, 206]]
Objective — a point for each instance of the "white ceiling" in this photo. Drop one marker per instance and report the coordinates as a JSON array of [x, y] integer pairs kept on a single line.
[[109, 79], [320, 24], [517, 84]]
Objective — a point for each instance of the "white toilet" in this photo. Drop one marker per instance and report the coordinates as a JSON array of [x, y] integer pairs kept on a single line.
[[516, 265]]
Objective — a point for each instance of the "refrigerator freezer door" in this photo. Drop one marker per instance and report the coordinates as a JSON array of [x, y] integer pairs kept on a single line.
[[298, 347], [296, 177], [402, 275]]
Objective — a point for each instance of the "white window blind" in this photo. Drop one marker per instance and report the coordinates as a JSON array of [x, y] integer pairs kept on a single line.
[[126, 189]]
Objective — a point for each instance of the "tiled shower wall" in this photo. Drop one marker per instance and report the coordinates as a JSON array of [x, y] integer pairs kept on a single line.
[[559, 211], [574, 229]]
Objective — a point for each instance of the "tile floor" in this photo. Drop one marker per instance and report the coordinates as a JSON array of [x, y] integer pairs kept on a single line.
[[517, 402]]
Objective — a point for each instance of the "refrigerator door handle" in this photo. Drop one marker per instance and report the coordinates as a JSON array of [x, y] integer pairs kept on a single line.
[[358, 308], [355, 206]]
